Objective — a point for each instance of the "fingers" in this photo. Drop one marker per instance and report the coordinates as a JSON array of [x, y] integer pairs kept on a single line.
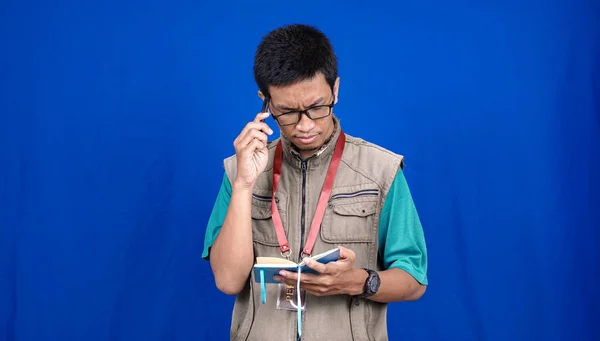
[[291, 278], [318, 286], [314, 289], [254, 145], [261, 127], [261, 116], [318, 267], [252, 130], [346, 253], [253, 135], [318, 290], [259, 124]]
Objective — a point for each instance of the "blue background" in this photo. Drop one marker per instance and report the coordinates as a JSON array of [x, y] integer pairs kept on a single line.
[[115, 118]]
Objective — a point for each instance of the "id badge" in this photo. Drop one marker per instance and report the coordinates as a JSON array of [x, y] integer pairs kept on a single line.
[[288, 298]]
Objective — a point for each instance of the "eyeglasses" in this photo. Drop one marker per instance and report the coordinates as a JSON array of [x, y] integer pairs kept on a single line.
[[314, 113]]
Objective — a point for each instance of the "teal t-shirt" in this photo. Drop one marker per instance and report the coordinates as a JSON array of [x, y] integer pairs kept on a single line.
[[401, 237]]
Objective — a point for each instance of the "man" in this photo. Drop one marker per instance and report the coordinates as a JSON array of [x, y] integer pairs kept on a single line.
[[366, 208]]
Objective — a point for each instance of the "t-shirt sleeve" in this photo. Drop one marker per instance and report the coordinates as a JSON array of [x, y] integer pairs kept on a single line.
[[401, 237], [217, 216]]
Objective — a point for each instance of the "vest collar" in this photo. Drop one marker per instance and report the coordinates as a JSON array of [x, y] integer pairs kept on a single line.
[[323, 154]]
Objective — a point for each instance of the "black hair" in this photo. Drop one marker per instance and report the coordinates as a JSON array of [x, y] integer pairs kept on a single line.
[[291, 54]]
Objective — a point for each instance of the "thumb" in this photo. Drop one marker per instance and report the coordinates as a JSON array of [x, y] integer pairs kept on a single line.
[[346, 254]]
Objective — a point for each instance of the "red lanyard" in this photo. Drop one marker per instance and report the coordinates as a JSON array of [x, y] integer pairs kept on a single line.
[[321, 205]]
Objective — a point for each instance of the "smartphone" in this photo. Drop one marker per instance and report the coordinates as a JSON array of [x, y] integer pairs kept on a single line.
[[264, 106]]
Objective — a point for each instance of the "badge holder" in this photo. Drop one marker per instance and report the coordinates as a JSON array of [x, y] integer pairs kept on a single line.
[[293, 298], [288, 298]]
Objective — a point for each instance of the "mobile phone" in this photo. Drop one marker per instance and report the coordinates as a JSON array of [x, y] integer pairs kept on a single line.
[[264, 106]]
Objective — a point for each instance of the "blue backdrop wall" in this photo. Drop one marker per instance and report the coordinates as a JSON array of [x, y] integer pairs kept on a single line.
[[115, 118]]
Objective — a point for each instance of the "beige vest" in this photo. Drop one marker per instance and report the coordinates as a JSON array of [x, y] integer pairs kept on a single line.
[[351, 220]]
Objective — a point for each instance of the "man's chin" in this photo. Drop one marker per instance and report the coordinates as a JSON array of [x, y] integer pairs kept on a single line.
[[303, 148], [308, 149]]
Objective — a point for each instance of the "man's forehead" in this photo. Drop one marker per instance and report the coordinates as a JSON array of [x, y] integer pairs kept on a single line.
[[297, 102], [303, 94]]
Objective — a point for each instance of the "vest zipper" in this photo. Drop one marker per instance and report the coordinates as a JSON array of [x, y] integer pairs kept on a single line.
[[302, 227], [303, 167]]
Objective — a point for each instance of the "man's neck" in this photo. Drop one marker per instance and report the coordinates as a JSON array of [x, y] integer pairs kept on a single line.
[[305, 154]]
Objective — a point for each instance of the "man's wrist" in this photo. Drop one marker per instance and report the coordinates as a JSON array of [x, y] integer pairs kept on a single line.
[[358, 279], [241, 186]]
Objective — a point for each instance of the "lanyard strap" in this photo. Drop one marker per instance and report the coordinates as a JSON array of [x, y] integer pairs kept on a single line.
[[321, 205]]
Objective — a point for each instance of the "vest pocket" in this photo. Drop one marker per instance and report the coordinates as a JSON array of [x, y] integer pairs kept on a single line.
[[359, 317], [243, 314], [350, 218], [263, 230]]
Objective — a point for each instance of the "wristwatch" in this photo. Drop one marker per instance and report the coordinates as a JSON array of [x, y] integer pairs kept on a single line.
[[371, 284]]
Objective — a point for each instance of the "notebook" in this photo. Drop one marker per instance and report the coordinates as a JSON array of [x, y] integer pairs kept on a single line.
[[272, 265]]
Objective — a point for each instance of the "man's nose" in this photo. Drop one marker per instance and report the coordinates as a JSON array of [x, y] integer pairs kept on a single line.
[[305, 123]]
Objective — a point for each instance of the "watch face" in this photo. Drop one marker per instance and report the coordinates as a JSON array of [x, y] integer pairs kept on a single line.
[[374, 284]]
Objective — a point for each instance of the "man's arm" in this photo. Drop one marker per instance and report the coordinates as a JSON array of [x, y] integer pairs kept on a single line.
[[396, 286], [401, 247], [232, 255], [342, 277], [402, 250]]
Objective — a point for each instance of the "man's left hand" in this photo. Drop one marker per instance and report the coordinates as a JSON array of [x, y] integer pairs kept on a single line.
[[339, 277]]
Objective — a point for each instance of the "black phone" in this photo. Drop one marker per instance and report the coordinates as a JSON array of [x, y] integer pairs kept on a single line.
[[264, 106]]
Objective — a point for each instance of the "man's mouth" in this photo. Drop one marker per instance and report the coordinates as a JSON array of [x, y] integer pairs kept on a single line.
[[306, 139]]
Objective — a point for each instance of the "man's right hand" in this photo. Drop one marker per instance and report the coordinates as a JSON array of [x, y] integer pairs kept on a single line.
[[251, 150]]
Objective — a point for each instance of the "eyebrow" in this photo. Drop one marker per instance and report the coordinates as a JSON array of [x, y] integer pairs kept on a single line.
[[284, 108]]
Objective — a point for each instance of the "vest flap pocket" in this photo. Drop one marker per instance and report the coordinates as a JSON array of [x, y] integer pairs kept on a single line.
[[363, 209], [261, 211], [263, 231], [353, 222], [261, 204]]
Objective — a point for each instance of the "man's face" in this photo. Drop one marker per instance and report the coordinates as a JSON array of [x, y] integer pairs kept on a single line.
[[307, 134]]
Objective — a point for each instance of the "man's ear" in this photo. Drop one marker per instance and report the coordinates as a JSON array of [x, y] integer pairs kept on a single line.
[[336, 90], [260, 94]]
